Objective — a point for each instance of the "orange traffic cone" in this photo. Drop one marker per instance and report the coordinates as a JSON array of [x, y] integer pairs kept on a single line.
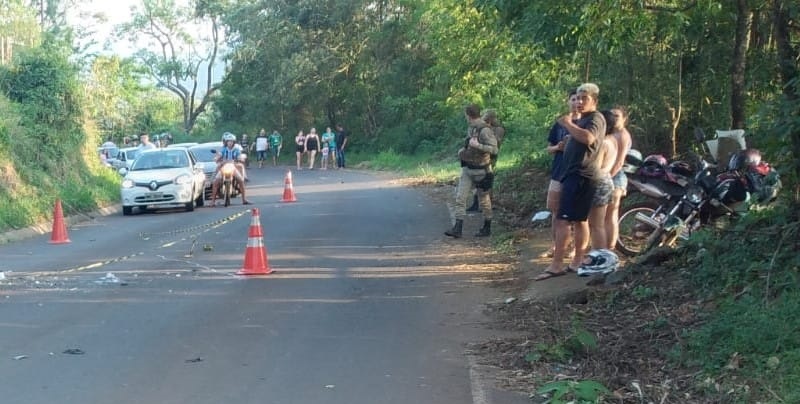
[[59, 235], [288, 189], [255, 256]]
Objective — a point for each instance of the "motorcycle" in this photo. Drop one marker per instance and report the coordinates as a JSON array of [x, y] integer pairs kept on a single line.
[[710, 193], [230, 185], [657, 186]]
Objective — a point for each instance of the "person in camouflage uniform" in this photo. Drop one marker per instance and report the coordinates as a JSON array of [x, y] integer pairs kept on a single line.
[[476, 171]]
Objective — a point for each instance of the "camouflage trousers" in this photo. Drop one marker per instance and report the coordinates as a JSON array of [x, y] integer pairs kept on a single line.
[[471, 179]]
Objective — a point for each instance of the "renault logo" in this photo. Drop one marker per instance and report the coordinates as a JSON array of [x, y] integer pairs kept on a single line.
[[153, 185]]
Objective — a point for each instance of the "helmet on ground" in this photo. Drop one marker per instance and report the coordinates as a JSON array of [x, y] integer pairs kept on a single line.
[[600, 261], [228, 136], [745, 159]]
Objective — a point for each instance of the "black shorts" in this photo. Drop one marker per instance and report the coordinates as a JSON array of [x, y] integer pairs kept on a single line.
[[577, 193]]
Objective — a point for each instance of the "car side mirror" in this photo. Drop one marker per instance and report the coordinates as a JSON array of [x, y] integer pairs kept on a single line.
[[122, 171]]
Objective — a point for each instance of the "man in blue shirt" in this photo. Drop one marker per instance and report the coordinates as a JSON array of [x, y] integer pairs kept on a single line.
[[229, 153]]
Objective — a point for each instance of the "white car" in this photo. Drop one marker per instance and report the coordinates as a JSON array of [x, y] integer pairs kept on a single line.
[[162, 178], [124, 158]]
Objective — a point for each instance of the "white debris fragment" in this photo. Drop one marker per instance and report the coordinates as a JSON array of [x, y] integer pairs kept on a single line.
[[541, 215], [109, 278]]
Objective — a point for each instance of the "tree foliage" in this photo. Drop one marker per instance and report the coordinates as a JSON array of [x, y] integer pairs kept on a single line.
[[181, 49]]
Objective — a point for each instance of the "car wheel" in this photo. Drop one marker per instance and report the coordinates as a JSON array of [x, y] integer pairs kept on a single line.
[[127, 210], [201, 199], [190, 206]]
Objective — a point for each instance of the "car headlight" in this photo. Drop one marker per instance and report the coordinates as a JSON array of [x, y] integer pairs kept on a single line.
[[183, 179], [127, 183]]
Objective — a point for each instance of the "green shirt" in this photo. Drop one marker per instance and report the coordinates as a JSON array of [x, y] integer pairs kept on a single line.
[[275, 140]]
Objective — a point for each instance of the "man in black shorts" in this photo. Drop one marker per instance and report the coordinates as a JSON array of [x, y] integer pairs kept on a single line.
[[580, 167]]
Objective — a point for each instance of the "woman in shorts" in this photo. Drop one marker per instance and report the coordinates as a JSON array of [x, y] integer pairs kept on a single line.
[[623, 138], [556, 141], [312, 147], [300, 148], [604, 185]]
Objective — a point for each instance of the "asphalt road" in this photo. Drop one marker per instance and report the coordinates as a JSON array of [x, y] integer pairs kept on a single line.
[[365, 304]]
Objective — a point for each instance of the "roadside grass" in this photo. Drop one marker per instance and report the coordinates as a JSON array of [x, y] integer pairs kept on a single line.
[[749, 346], [29, 188]]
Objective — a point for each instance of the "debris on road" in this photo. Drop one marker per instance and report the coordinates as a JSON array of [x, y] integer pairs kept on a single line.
[[73, 351], [20, 357], [109, 278], [195, 360]]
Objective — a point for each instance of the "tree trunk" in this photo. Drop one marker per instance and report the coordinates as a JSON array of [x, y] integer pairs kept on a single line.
[[739, 64], [677, 111], [787, 55]]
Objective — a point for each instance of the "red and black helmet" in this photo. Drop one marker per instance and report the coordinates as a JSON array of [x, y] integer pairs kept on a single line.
[[745, 159]]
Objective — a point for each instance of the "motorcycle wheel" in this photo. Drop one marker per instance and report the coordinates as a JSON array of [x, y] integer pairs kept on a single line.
[[227, 191], [634, 233]]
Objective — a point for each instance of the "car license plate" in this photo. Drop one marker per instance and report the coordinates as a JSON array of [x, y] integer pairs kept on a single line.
[[153, 195]]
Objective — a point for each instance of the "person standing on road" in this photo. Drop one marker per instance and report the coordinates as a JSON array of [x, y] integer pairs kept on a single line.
[[275, 146], [623, 139], [604, 186], [261, 145], [312, 147], [145, 143], [490, 117], [476, 172], [556, 141], [300, 148], [581, 167], [246, 148], [328, 148], [341, 143]]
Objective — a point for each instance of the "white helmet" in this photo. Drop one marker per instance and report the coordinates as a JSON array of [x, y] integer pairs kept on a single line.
[[228, 136], [600, 261]]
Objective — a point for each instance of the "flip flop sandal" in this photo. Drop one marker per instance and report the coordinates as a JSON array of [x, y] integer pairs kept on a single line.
[[549, 274]]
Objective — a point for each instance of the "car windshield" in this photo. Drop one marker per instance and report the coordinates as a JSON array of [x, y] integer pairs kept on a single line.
[[204, 153], [161, 160], [131, 154]]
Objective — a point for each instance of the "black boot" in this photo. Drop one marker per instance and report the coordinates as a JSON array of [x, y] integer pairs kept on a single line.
[[456, 230], [474, 207], [486, 230]]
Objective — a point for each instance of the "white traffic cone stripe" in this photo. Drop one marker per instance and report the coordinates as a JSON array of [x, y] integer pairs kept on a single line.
[[255, 242]]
